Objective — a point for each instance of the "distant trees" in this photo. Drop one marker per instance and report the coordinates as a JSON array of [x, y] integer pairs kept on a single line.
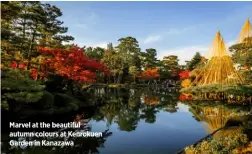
[[194, 62], [149, 58], [171, 64], [95, 53]]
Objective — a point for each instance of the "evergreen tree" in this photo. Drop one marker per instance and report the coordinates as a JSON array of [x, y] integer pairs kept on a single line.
[[149, 58], [9, 12], [27, 24], [194, 62], [242, 53], [110, 47], [52, 30], [95, 53], [18, 88], [170, 63], [129, 51]]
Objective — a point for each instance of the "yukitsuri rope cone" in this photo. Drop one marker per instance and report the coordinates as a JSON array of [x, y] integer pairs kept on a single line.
[[215, 117], [220, 68], [245, 32]]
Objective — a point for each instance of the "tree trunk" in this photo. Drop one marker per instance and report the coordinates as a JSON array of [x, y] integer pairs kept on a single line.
[[24, 27], [119, 78], [24, 30], [70, 86], [30, 48], [114, 78]]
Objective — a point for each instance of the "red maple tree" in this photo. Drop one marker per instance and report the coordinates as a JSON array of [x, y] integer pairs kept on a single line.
[[34, 74], [183, 97], [14, 65], [184, 74], [72, 64]]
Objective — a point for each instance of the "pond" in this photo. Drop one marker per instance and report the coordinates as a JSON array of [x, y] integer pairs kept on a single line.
[[136, 121]]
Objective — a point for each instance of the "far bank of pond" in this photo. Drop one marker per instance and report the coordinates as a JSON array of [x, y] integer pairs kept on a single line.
[[135, 121]]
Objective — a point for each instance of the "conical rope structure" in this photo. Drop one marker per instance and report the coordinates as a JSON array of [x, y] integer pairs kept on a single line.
[[220, 68], [245, 32]]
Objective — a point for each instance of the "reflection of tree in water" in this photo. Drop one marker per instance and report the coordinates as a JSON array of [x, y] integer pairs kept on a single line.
[[127, 106], [215, 116], [127, 113], [151, 100], [228, 131], [169, 102], [149, 107], [148, 113], [172, 108], [128, 119], [119, 108], [86, 145], [110, 110], [233, 135]]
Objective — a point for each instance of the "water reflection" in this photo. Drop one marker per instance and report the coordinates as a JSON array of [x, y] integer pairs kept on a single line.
[[127, 107], [216, 116], [146, 115]]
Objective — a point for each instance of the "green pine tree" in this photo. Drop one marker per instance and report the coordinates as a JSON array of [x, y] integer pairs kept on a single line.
[[194, 62], [18, 88]]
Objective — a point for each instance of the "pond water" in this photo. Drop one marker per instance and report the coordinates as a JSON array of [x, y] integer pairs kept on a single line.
[[137, 121]]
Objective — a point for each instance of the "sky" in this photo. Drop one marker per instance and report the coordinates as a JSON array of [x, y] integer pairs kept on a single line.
[[172, 28]]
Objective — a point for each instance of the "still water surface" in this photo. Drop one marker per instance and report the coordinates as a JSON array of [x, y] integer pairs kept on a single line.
[[140, 121], [168, 134]]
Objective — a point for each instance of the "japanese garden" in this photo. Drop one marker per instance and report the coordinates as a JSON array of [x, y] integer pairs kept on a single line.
[[141, 103]]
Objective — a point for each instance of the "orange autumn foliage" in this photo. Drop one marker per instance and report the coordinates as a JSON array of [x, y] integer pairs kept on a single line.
[[108, 53], [151, 101], [149, 74], [186, 83]]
